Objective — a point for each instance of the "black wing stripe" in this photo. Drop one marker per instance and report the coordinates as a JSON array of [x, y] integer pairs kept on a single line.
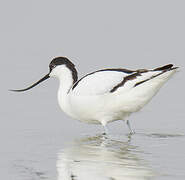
[[130, 77], [117, 69], [125, 79], [166, 68], [138, 83]]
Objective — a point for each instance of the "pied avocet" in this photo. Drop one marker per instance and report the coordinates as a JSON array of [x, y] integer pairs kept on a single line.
[[105, 95]]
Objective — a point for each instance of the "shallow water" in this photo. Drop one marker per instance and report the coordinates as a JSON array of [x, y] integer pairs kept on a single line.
[[35, 154]]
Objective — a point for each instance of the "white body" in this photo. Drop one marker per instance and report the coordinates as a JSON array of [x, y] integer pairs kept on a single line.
[[92, 102]]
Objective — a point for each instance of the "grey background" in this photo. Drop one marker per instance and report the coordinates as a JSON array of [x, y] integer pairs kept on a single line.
[[94, 35]]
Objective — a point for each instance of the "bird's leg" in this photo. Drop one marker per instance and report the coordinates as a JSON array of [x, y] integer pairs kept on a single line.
[[104, 124], [105, 130], [128, 124]]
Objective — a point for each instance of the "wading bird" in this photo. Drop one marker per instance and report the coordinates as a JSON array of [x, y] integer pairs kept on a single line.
[[104, 95]]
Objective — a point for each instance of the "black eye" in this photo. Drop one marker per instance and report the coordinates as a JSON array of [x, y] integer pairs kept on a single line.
[[51, 66]]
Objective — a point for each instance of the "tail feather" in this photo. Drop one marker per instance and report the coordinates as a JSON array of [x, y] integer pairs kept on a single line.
[[163, 68]]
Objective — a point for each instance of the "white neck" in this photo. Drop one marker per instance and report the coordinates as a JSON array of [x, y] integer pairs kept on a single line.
[[66, 79]]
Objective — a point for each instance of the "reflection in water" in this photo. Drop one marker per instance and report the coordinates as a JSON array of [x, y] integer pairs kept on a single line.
[[97, 158], [27, 170], [161, 135]]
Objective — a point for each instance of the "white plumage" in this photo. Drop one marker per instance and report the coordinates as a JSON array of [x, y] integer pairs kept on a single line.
[[105, 95], [98, 83], [103, 82]]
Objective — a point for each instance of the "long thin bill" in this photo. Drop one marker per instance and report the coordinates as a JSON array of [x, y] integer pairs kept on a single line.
[[38, 82]]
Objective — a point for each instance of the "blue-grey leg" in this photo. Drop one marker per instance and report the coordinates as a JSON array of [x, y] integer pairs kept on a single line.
[[128, 124]]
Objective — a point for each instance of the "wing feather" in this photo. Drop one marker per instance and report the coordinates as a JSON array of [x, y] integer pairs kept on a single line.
[[100, 82], [115, 80]]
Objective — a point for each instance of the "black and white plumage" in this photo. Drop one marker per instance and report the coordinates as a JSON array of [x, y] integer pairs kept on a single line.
[[105, 95]]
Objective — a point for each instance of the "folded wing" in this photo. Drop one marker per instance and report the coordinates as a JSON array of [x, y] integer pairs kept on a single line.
[[115, 80]]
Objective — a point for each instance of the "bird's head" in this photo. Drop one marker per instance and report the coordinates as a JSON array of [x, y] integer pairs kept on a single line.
[[56, 67]]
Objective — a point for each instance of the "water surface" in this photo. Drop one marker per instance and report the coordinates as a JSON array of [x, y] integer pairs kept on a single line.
[[35, 155]]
